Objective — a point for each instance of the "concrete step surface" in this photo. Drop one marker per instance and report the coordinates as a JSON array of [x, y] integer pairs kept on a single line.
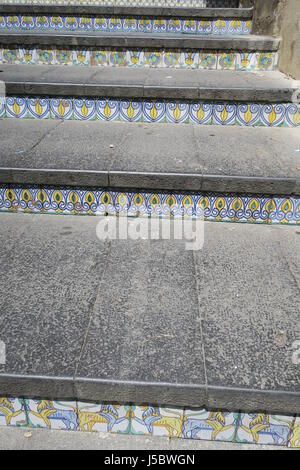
[[137, 40], [148, 321], [156, 157], [267, 87]]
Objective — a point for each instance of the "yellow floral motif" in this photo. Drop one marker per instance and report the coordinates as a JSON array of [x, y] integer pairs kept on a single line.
[[130, 111], [38, 108], [272, 116], [176, 113], [248, 115], [84, 110], [153, 112], [107, 110], [16, 108], [224, 115]]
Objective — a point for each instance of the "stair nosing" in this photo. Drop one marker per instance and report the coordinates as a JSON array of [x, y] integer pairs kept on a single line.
[[128, 10]]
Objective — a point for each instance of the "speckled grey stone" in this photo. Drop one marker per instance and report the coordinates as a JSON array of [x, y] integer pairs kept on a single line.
[[172, 156], [145, 327], [50, 270], [147, 40], [144, 83], [129, 10], [249, 284]]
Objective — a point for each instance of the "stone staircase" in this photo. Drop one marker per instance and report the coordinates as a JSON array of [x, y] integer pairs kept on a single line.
[[157, 111]]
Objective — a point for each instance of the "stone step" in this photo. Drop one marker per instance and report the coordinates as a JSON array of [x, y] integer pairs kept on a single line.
[[149, 321], [150, 95], [140, 9], [160, 157], [137, 40]]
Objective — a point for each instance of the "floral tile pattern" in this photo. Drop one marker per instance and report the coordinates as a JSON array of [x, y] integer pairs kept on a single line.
[[193, 59], [260, 428], [249, 208], [218, 26], [105, 109], [152, 420]]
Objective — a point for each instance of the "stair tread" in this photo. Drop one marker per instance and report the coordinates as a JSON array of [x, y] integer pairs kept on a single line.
[[155, 156], [150, 40], [35, 9], [150, 321], [147, 83]]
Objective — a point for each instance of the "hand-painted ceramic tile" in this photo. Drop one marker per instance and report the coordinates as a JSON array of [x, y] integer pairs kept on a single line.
[[100, 58], [260, 428], [293, 115], [224, 114], [84, 109], [61, 108], [52, 414], [248, 114], [201, 113], [16, 107], [154, 111], [274, 115], [208, 60], [177, 112], [245, 60], [213, 426], [135, 58], [107, 110], [38, 108], [117, 58], [154, 58], [172, 59], [265, 61], [284, 210], [104, 417], [157, 421], [131, 111], [189, 59], [294, 440], [12, 412], [226, 61], [46, 57]]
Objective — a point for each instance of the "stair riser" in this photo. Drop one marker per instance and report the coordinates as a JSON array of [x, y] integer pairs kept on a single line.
[[48, 23], [205, 60], [183, 422], [250, 208], [105, 109]]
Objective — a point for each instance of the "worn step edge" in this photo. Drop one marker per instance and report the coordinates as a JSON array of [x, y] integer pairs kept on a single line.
[[127, 11], [154, 181], [140, 40], [94, 389]]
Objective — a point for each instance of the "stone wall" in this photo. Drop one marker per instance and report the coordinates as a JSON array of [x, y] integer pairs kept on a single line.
[[281, 18]]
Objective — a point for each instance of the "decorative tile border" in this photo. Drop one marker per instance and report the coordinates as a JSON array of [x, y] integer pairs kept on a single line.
[[213, 207], [186, 423], [218, 26], [104, 109], [206, 60]]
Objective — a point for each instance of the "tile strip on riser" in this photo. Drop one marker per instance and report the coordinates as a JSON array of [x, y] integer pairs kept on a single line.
[[104, 109], [186, 423], [218, 26], [205, 60], [249, 208]]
